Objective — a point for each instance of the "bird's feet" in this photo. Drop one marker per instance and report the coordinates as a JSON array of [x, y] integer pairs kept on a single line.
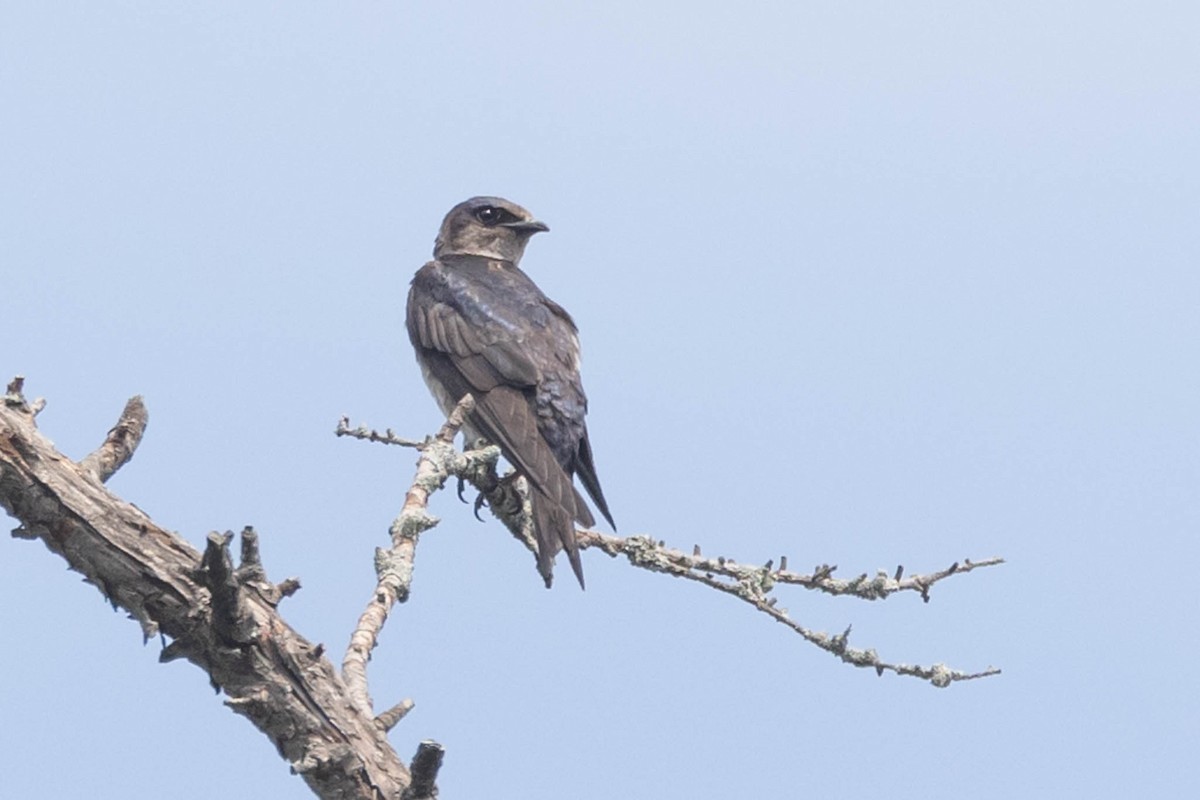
[[504, 496]]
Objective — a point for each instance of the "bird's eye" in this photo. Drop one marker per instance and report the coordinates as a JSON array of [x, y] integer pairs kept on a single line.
[[488, 215]]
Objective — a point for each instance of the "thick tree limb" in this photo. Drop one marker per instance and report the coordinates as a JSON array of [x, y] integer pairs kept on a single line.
[[223, 618], [220, 618]]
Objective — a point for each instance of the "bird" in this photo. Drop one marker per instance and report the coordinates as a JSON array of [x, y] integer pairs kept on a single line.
[[480, 325]]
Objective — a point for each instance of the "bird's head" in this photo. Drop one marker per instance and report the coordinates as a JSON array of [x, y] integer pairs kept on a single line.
[[486, 226]]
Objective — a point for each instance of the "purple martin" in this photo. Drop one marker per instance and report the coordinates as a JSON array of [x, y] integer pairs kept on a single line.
[[480, 325]]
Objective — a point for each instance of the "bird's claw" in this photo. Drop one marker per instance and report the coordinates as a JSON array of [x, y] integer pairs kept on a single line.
[[480, 502]]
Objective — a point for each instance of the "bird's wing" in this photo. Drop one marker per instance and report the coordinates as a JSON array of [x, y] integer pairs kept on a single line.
[[492, 363]]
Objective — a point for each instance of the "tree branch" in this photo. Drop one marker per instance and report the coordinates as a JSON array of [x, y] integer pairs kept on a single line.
[[220, 618], [508, 501], [755, 584], [425, 766], [394, 565], [122, 440], [224, 619]]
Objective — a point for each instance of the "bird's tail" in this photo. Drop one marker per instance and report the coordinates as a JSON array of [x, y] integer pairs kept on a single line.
[[554, 528]]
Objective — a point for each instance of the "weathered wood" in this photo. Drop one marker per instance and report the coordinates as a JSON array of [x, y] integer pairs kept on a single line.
[[221, 619]]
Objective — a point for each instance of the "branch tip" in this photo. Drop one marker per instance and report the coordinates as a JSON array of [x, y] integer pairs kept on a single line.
[[172, 651], [288, 587], [21, 532], [120, 443], [754, 584], [250, 556], [14, 397], [388, 719], [149, 628], [230, 618], [371, 435], [425, 766]]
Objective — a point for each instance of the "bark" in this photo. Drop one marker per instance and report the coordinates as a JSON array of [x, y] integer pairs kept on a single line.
[[224, 618], [221, 618]]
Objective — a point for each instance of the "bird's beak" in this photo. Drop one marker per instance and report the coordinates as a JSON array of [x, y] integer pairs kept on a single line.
[[530, 226]]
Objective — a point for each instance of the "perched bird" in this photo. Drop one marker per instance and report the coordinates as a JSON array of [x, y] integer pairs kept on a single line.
[[480, 325]]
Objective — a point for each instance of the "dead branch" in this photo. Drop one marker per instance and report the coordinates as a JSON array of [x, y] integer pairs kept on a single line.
[[394, 565], [425, 766], [223, 617], [220, 618], [120, 443], [508, 501], [755, 584]]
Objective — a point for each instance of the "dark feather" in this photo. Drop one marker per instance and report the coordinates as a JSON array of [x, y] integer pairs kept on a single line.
[[481, 326], [586, 468]]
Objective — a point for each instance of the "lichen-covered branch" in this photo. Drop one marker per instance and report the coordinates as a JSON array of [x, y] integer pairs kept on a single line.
[[221, 618], [752, 584], [394, 565]]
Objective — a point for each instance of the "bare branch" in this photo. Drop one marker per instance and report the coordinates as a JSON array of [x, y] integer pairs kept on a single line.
[[120, 443], [14, 393], [218, 617], [371, 435], [656, 556], [754, 585], [288, 587], [425, 766], [394, 565], [231, 618], [223, 618], [14, 398], [508, 501], [389, 719]]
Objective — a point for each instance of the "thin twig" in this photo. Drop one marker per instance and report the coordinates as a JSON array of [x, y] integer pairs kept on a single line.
[[372, 435], [394, 565], [754, 585], [676, 562], [508, 501]]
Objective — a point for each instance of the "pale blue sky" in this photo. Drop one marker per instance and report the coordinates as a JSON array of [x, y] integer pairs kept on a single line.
[[866, 284]]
